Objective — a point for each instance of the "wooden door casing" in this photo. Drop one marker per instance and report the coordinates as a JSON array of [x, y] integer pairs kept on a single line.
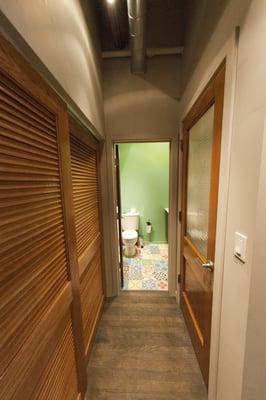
[[119, 212], [42, 345], [197, 304]]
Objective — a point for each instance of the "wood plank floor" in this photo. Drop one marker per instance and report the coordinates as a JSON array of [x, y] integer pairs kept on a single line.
[[143, 352]]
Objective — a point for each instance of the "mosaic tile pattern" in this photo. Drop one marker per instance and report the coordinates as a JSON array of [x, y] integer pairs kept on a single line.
[[148, 270]]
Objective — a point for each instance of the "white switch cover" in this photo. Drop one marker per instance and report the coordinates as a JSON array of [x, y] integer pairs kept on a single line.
[[240, 248]]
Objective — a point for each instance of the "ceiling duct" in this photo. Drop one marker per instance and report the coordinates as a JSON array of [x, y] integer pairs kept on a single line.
[[115, 24], [137, 10]]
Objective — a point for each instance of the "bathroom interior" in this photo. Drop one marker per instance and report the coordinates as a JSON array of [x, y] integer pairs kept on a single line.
[[144, 208]]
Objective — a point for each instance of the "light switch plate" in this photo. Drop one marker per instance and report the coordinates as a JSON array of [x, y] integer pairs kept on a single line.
[[240, 248]]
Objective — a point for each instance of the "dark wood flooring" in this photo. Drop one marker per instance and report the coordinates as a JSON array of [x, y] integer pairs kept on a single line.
[[142, 351]]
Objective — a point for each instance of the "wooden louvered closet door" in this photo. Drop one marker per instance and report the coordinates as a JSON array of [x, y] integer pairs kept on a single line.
[[37, 328], [85, 183]]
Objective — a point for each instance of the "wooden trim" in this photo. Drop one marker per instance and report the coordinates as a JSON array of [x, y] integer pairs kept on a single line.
[[25, 76], [11, 34], [214, 90], [199, 255], [215, 163], [194, 320], [100, 211], [183, 210], [204, 101], [119, 211], [68, 206], [79, 132], [85, 259]]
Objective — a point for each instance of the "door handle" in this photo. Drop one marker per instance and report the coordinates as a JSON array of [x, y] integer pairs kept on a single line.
[[208, 265]]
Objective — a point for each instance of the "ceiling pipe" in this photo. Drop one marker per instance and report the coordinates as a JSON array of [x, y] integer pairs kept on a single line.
[[150, 52], [137, 10], [116, 13]]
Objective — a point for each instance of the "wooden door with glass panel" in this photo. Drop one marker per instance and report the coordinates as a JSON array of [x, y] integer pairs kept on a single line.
[[201, 160]]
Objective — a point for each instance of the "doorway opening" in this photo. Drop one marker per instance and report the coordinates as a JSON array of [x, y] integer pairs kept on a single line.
[[142, 178]]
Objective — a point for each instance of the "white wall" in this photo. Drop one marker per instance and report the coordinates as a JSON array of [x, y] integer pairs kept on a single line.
[[255, 355], [62, 33], [138, 106], [246, 146]]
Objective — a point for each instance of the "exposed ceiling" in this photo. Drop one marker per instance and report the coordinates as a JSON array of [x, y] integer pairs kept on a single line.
[[164, 24]]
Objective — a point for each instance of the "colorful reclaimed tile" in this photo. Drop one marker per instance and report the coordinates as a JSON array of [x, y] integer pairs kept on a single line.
[[135, 275], [135, 268], [125, 268], [148, 270], [154, 249], [134, 284], [149, 284], [161, 285], [160, 276]]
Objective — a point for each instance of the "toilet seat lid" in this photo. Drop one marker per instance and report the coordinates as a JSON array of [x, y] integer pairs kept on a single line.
[[130, 234]]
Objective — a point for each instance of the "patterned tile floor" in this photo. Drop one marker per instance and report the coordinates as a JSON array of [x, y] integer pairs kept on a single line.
[[148, 270]]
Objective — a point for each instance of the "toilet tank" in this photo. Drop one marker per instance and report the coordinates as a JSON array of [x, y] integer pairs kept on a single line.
[[130, 221]]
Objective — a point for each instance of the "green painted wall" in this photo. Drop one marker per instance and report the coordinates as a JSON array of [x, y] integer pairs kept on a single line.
[[144, 174]]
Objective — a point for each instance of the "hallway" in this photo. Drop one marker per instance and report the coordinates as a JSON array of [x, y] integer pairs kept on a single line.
[[169, 304], [142, 351]]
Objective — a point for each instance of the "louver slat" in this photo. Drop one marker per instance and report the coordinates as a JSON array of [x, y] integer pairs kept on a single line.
[[86, 201], [91, 297], [13, 206], [84, 169], [34, 276], [58, 380]]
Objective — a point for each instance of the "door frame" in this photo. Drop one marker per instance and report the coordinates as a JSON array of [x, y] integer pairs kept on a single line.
[[228, 52], [119, 211], [173, 207], [212, 94]]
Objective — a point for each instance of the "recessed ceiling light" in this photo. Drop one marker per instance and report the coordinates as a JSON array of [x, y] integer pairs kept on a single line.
[[110, 1]]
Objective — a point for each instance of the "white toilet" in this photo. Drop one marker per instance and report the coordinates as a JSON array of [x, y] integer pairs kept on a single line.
[[130, 225]]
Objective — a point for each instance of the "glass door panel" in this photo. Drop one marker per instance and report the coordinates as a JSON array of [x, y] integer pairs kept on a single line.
[[199, 181]]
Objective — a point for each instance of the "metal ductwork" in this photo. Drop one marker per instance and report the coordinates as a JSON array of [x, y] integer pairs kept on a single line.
[[116, 22], [137, 10]]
